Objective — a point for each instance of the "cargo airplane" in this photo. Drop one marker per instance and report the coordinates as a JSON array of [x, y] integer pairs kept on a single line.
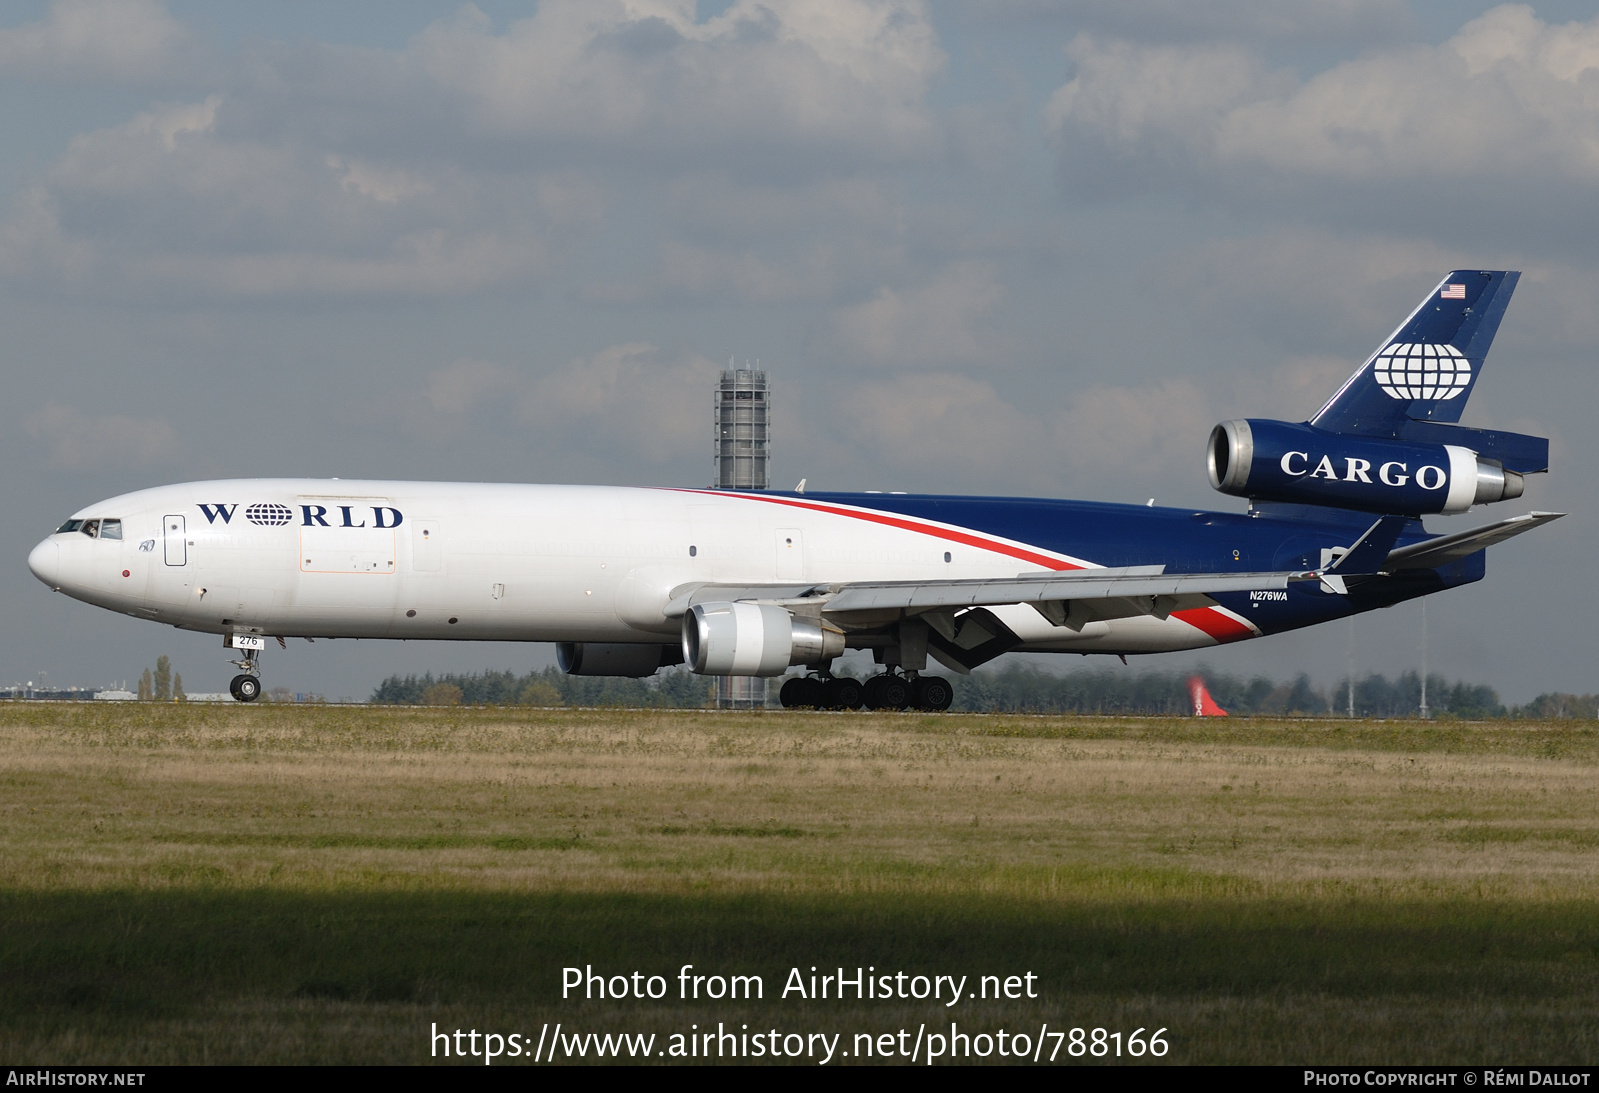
[[755, 583]]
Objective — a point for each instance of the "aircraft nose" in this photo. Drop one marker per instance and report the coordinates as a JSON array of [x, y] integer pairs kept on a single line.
[[45, 562]]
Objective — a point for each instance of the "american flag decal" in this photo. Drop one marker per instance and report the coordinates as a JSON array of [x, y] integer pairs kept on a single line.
[[1453, 292]]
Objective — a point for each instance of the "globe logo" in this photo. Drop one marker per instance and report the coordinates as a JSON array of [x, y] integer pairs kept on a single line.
[[268, 514], [1421, 371]]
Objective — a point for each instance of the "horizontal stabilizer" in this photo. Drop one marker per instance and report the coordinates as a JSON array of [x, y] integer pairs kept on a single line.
[[1448, 548]]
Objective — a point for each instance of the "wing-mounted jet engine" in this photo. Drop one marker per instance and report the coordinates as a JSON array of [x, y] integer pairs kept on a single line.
[[1387, 442]]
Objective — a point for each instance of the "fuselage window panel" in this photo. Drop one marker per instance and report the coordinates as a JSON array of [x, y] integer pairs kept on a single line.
[[111, 529], [70, 525], [91, 528]]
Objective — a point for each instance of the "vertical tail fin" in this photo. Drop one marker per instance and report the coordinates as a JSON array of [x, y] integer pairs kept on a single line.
[[1426, 369]]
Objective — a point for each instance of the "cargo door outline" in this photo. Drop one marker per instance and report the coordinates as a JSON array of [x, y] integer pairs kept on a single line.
[[174, 533], [357, 551]]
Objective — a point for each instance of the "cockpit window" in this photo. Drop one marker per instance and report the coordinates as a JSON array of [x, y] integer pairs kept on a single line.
[[70, 525], [111, 529], [91, 528]]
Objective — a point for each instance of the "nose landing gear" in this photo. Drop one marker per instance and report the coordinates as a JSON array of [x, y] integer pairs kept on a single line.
[[246, 687]]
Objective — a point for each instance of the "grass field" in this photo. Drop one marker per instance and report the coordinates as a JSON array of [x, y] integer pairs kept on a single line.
[[304, 884]]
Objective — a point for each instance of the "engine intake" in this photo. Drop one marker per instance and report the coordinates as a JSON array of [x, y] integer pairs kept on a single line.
[[1278, 461], [753, 639]]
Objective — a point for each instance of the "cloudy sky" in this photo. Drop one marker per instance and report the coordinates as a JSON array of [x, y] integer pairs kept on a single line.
[[1016, 247]]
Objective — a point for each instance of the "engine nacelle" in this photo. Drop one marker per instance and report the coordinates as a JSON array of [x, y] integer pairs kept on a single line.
[[591, 658], [1301, 464], [753, 639]]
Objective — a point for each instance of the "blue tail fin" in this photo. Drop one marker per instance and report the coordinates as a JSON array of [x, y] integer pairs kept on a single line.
[[1425, 371]]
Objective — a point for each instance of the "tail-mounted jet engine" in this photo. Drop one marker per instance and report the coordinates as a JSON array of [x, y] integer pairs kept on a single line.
[[1301, 464], [751, 639]]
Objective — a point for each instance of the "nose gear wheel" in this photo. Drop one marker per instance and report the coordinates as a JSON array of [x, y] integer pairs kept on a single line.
[[245, 688]]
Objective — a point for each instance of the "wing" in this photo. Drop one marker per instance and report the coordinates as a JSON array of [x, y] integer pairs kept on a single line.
[[962, 633], [1138, 590], [1102, 594]]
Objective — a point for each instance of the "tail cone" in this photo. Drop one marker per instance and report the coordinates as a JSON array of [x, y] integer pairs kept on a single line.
[[1204, 705]]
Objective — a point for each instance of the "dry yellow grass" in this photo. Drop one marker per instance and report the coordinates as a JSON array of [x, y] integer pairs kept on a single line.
[[1250, 881], [97, 798]]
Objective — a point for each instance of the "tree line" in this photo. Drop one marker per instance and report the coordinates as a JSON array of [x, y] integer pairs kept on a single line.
[[161, 685], [672, 689], [1020, 688]]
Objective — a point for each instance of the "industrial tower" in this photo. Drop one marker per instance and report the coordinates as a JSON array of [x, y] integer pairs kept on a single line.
[[743, 436], [743, 430]]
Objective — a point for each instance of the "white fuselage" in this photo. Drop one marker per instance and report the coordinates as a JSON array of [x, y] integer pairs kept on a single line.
[[501, 562]]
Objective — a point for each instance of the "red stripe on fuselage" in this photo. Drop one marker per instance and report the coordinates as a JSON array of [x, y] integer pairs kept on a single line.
[[965, 538], [1211, 620], [1215, 622]]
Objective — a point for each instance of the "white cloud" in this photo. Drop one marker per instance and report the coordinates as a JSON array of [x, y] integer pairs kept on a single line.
[[94, 40], [1302, 290], [941, 321], [629, 399], [957, 430], [73, 440], [1320, 21], [461, 160], [1290, 390], [1505, 94], [954, 428], [718, 206], [804, 240], [464, 385], [624, 405], [837, 72], [386, 184], [1127, 96], [1154, 431], [703, 272], [167, 203]]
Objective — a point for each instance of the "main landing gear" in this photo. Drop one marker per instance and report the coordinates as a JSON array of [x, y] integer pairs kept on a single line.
[[246, 687], [889, 691], [821, 693]]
